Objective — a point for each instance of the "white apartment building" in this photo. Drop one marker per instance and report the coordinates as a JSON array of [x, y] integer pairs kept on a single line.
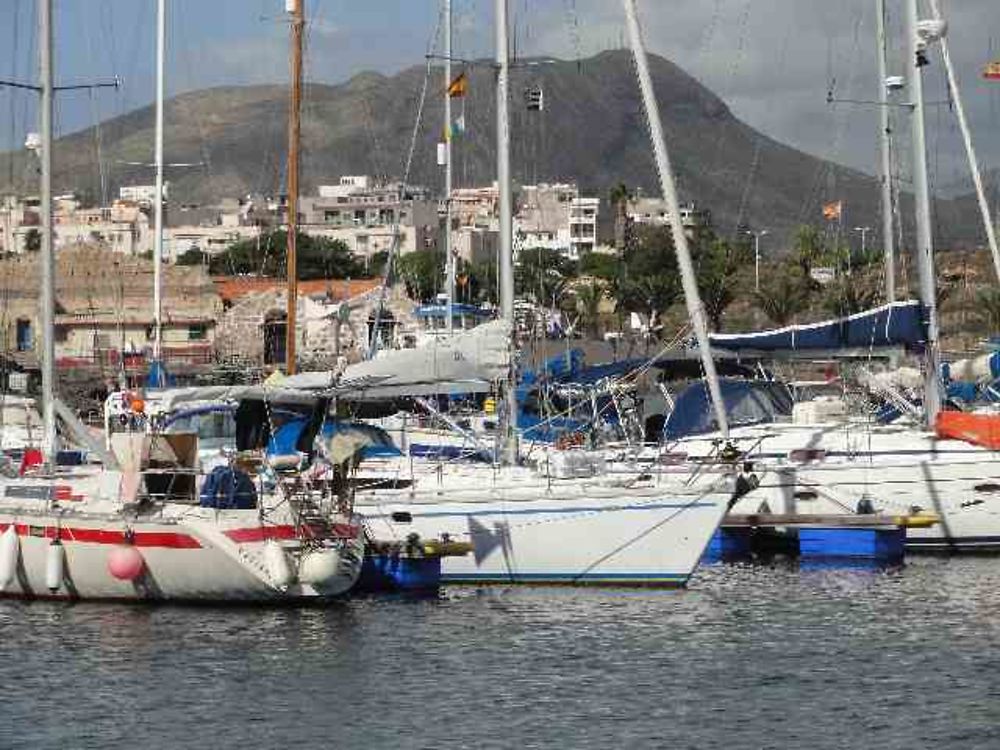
[[653, 211], [370, 217], [557, 218]]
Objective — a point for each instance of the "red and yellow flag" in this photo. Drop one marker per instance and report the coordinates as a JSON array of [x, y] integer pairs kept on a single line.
[[832, 211], [459, 86], [992, 70]]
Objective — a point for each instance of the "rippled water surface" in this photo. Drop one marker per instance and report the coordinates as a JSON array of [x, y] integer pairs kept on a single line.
[[748, 657]]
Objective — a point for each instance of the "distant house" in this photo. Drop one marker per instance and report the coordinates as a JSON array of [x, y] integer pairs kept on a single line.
[[104, 310], [332, 319]]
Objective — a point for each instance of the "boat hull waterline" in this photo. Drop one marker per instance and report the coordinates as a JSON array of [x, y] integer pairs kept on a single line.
[[646, 536], [196, 560]]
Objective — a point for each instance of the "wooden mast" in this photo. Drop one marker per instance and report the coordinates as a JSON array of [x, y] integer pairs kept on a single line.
[[294, 8]]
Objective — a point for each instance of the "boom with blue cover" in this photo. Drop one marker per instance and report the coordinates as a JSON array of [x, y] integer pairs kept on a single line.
[[895, 324]]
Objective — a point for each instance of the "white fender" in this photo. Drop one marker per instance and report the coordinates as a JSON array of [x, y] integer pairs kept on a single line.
[[10, 546], [277, 565], [55, 565], [319, 567]]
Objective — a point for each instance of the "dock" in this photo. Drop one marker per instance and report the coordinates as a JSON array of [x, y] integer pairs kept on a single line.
[[839, 538]]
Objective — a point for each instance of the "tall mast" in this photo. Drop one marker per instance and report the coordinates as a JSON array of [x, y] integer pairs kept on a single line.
[[161, 34], [47, 333], [294, 7], [924, 248], [506, 227], [885, 176], [449, 258], [695, 310], [970, 152]]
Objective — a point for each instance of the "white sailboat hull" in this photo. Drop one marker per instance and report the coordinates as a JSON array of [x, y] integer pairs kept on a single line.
[[830, 468], [568, 532], [188, 553]]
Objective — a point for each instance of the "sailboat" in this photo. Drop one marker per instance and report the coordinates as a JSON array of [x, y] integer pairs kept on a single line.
[[564, 519], [140, 522], [816, 458]]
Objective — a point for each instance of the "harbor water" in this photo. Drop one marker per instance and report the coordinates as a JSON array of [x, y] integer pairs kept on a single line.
[[747, 657]]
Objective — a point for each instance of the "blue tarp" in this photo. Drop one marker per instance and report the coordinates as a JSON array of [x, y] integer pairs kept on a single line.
[[560, 367], [897, 324], [286, 437], [747, 402], [158, 377], [226, 488]]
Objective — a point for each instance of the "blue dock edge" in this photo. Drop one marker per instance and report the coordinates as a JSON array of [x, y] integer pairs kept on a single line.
[[847, 545], [389, 572], [729, 545], [883, 545]]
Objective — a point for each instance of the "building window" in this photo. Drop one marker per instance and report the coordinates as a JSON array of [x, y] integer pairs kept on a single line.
[[197, 332], [25, 340], [275, 330]]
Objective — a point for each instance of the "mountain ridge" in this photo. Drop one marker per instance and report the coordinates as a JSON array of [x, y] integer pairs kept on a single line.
[[592, 131]]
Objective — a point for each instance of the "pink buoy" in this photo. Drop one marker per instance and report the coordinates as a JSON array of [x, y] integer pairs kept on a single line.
[[125, 563]]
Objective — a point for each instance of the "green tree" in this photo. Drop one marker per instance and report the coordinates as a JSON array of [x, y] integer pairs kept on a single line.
[[852, 294], [588, 305], [618, 197], [375, 265], [601, 266], [542, 274], [784, 293], [717, 265], [192, 257], [316, 257], [481, 282], [810, 250], [422, 272], [648, 282]]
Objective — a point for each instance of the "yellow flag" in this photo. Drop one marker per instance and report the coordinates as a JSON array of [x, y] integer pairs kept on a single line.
[[459, 86], [832, 211]]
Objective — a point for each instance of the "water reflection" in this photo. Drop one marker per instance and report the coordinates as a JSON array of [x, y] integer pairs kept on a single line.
[[750, 656]]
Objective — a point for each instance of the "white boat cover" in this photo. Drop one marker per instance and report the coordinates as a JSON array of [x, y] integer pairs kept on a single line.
[[468, 362]]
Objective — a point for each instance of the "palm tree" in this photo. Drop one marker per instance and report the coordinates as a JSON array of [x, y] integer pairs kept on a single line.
[[783, 295], [619, 197], [588, 305], [809, 248], [852, 294]]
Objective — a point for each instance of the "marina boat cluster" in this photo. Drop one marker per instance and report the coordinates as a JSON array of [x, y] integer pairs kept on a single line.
[[453, 462]]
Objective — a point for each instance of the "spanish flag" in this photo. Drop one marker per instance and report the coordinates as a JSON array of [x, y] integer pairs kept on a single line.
[[832, 211], [459, 86], [992, 70]]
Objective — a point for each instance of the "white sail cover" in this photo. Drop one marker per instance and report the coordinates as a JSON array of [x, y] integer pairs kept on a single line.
[[468, 362]]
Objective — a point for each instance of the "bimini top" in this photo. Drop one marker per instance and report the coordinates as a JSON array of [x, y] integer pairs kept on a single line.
[[747, 402], [892, 325]]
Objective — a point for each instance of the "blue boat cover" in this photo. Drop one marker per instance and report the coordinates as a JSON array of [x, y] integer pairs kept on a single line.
[[747, 402], [560, 367], [896, 324]]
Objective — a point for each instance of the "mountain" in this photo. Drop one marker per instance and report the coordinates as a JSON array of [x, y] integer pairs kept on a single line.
[[591, 131]]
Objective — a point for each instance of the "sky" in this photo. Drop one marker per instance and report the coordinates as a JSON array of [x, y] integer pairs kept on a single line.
[[772, 61]]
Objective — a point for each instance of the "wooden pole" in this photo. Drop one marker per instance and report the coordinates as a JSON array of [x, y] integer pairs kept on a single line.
[[294, 108]]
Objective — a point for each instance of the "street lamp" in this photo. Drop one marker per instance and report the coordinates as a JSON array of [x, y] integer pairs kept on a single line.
[[864, 234], [756, 254]]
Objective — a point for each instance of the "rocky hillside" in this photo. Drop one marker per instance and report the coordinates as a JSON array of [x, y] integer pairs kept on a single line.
[[591, 130]]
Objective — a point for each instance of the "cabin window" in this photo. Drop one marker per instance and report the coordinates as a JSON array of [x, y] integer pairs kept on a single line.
[[197, 332]]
